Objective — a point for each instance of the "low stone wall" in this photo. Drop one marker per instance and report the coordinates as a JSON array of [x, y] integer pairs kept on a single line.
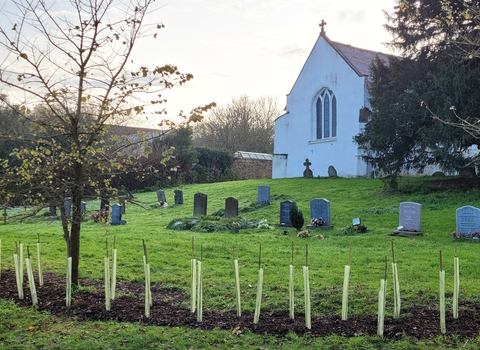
[[253, 168]]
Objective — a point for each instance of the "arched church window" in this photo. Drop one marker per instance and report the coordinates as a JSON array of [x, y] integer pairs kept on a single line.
[[326, 114]]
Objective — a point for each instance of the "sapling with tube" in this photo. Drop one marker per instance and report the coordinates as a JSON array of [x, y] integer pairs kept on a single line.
[[200, 288], [291, 288], [107, 277], [382, 301], [237, 282], [456, 284], [31, 281], [148, 293], [193, 265], [68, 298], [346, 281], [18, 277], [306, 283], [396, 287], [443, 327], [258, 302]]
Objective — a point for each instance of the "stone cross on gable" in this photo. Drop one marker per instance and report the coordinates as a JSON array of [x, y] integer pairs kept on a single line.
[[322, 26]]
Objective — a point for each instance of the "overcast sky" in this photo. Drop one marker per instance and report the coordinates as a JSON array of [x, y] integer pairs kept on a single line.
[[254, 47]]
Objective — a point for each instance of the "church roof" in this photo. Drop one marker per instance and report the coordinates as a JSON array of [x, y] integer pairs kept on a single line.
[[358, 59]]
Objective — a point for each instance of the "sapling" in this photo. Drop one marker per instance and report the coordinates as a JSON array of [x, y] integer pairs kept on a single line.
[[259, 287], [148, 293], [237, 282], [68, 298], [382, 301], [114, 269], [193, 264], [18, 277], [0, 259], [200, 288], [346, 281], [20, 254], [107, 277], [456, 284], [31, 281], [396, 287], [291, 289], [443, 327], [306, 283], [40, 273]]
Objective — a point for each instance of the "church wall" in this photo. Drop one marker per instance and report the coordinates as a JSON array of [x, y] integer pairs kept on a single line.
[[295, 134]]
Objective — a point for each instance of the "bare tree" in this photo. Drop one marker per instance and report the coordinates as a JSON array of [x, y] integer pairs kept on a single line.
[[242, 125], [66, 68]]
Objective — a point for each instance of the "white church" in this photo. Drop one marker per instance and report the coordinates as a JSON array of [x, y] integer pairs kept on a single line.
[[325, 110]]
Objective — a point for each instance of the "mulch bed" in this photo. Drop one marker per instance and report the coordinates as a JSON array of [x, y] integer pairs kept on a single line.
[[421, 322]]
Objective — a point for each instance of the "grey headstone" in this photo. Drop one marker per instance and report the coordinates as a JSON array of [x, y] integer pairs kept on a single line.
[[332, 172], [178, 194], [52, 211], [161, 197], [263, 195], [231, 207], [83, 209], [468, 219], [67, 202], [285, 207], [121, 201], [199, 204], [320, 208], [411, 216]]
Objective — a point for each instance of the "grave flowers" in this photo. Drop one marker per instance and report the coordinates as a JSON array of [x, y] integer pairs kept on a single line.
[[465, 236], [303, 234], [317, 222]]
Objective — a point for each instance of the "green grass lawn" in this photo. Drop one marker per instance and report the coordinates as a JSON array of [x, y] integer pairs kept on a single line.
[[170, 253]]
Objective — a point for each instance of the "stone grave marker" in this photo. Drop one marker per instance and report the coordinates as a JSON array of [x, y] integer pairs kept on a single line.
[[121, 201], [178, 194], [117, 215], [52, 210], [161, 197], [83, 209], [104, 204], [332, 172], [307, 172], [231, 207], [468, 220], [320, 208], [285, 207], [199, 204], [410, 219], [263, 195], [67, 202]]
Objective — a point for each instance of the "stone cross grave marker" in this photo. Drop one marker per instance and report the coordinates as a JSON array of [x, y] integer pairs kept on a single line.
[[410, 216], [178, 194], [307, 172], [199, 204], [285, 207], [161, 197], [117, 215], [231, 207], [468, 220], [263, 195]]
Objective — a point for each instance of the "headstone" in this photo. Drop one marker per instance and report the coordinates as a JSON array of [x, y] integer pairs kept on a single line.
[[199, 204], [83, 209], [307, 172], [468, 220], [320, 208], [104, 204], [285, 207], [121, 201], [410, 222], [231, 207], [161, 197], [67, 202], [52, 211], [263, 195], [332, 172], [117, 215], [178, 194]]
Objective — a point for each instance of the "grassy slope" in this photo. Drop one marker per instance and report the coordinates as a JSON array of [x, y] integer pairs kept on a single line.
[[170, 252]]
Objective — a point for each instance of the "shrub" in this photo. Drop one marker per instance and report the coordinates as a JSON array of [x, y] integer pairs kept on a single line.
[[296, 217]]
